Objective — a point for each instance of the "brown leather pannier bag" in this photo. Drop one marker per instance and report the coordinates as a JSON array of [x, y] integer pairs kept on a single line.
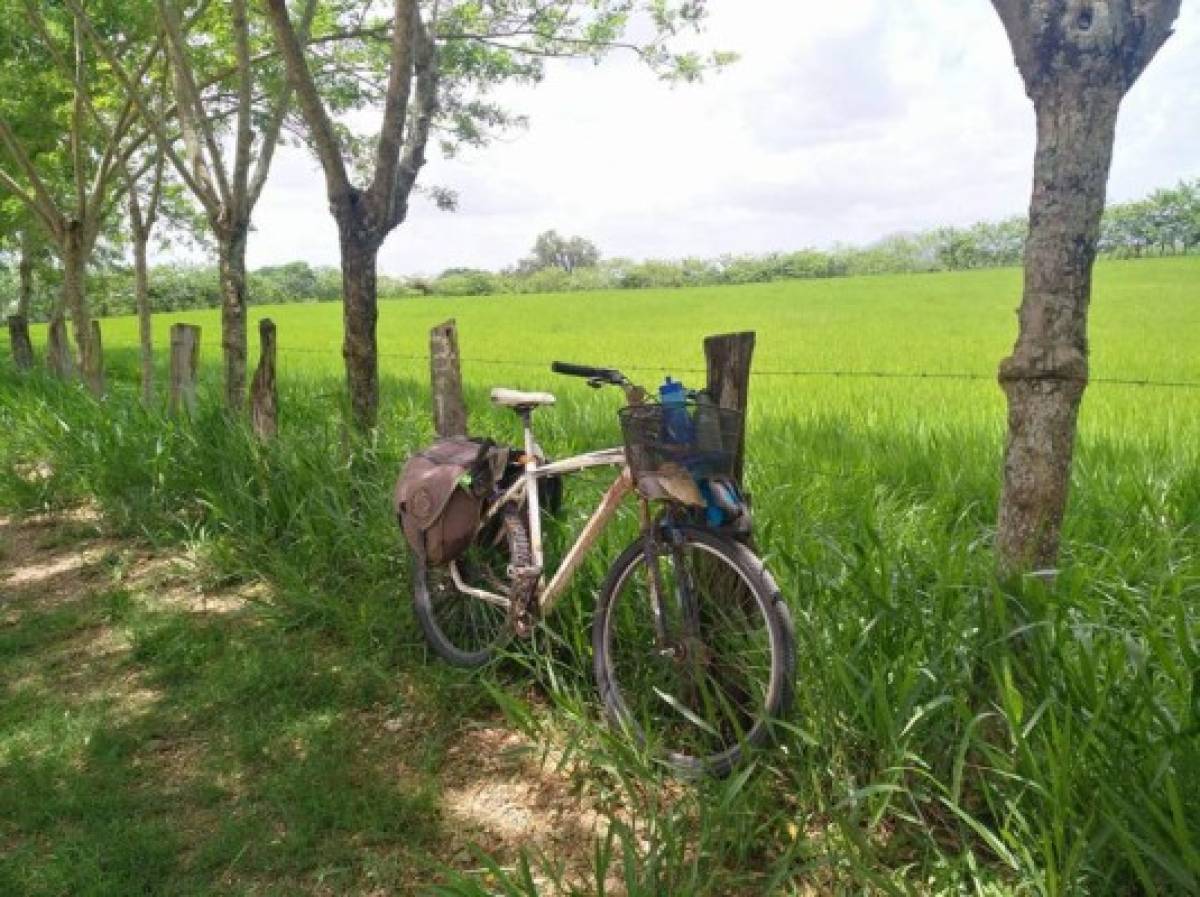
[[439, 496]]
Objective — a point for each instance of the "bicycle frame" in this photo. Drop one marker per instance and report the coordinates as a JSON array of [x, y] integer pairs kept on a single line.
[[526, 488]]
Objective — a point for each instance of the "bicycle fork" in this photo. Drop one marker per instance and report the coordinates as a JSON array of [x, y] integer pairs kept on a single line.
[[667, 642]]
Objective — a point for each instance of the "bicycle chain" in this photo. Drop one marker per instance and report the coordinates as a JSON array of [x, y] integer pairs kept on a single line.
[[522, 595]]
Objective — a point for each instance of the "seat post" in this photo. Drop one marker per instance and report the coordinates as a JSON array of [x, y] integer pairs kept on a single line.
[[531, 487]]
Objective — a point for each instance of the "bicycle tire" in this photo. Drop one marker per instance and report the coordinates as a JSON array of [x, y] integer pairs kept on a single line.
[[436, 598], [744, 719]]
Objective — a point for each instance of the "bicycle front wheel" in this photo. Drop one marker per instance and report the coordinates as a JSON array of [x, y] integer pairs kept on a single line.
[[698, 674]]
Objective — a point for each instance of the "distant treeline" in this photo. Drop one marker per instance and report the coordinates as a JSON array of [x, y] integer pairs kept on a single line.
[[1165, 223]]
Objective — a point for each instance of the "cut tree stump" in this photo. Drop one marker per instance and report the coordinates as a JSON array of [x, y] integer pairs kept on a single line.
[[728, 357], [449, 409], [22, 348], [185, 365], [264, 398], [58, 350], [94, 369]]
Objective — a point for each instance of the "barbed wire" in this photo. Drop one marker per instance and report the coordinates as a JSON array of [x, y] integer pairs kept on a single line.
[[800, 372]]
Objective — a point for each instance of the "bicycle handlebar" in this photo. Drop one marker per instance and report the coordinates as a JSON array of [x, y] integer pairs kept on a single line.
[[604, 375]]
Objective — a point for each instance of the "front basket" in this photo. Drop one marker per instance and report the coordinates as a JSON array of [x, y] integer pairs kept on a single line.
[[699, 437]]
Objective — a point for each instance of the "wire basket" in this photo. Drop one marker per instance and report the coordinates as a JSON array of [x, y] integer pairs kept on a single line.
[[699, 437]]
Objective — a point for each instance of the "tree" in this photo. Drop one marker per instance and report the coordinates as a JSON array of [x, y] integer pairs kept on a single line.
[[144, 202], [22, 237], [441, 56], [227, 180], [48, 77], [1078, 58], [553, 251]]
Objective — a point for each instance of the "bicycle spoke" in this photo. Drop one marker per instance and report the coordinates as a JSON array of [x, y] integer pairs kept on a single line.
[[698, 686]]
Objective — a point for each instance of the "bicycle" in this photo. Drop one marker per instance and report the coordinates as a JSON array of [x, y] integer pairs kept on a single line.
[[693, 647]]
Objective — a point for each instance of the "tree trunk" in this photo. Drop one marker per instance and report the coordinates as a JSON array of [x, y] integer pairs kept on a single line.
[[74, 300], [25, 276], [22, 348], [1045, 377], [141, 294], [232, 252], [360, 311]]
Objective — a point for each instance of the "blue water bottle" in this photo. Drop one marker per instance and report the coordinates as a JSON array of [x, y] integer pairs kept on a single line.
[[677, 426]]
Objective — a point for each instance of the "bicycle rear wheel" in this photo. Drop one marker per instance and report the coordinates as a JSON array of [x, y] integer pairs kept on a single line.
[[460, 628], [700, 684]]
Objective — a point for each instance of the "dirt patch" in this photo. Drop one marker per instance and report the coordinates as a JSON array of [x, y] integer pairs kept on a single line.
[[501, 791], [51, 560]]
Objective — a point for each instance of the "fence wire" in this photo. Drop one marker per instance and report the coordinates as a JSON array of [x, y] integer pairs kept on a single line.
[[758, 372]]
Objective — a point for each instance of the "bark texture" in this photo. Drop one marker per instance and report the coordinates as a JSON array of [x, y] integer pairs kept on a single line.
[[233, 315], [141, 298], [75, 251], [25, 275], [360, 312], [445, 372], [1078, 58]]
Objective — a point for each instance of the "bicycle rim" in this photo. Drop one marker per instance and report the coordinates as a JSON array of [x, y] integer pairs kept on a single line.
[[462, 629], [703, 694]]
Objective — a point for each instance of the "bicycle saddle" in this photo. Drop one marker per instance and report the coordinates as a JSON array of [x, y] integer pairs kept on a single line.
[[513, 398]]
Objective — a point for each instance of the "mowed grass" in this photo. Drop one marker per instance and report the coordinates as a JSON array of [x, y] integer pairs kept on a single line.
[[951, 734]]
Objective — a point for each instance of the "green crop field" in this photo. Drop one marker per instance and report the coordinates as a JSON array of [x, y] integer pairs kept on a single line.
[[951, 734], [1145, 325]]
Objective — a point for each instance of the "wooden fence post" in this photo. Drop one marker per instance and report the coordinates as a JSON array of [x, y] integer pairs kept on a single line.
[[185, 362], [93, 363], [22, 348], [264, 399], [449, 409], [58, 350], [728, 356]]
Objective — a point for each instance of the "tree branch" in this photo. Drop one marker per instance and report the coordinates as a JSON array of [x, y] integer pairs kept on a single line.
[[78, 111], [45, 205], [155, 123], [270, 137], [426, 71], [190, 110], [155, 190], [1015, 16], [1158, 18], [395, 108], [244, 140], [324, 137], [53, 221]]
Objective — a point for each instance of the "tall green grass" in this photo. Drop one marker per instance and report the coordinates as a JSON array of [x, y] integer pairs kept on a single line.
[[950, 735]]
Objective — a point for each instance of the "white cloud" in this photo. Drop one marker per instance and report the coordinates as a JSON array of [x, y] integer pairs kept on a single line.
[[842, 122]]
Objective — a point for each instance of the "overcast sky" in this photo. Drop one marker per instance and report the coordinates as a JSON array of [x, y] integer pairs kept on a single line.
[[842, 122]]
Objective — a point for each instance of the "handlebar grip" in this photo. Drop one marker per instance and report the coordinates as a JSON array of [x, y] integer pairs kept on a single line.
[[582, 370]]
